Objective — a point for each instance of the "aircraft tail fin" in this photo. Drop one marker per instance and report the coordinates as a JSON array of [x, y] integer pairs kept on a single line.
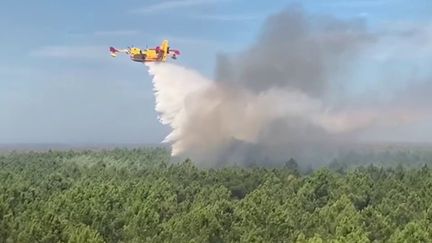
[[113, 51]]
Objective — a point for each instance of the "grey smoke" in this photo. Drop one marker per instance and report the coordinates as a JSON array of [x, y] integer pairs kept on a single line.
[[297, 51], [294, 51], [285, 96]]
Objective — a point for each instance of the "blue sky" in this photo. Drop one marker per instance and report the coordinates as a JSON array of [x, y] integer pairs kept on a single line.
[[59, 84]]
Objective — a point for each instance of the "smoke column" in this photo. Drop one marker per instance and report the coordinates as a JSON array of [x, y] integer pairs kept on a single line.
[[283, 99], [208, 118]]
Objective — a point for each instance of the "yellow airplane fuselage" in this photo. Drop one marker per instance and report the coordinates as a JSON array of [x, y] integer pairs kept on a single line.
[[150, 55]]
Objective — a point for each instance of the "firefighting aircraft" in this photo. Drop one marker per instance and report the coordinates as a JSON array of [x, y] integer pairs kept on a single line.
[[157, 54]]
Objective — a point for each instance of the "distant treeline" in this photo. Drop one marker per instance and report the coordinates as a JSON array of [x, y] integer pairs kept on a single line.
[[137, 195]]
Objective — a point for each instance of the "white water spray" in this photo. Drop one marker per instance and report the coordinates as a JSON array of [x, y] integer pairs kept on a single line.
[[205, 116]]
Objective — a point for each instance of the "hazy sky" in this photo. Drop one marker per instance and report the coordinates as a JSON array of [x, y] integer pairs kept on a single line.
[[58, 83]]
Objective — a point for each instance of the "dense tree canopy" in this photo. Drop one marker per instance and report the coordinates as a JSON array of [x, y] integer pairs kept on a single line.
[[137, 195]]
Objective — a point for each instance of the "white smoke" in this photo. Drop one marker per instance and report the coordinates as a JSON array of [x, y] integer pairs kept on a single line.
[[286, 95], [205, 115]]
